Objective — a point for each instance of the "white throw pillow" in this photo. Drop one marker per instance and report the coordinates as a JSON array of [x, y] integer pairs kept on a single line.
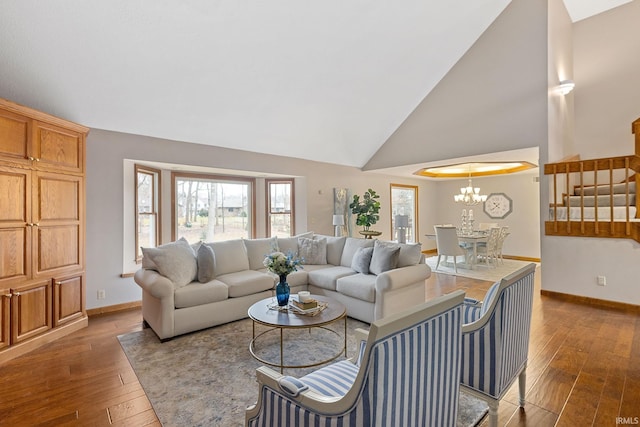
[[176, 261], [312, 252], [289, 245], [258, 249]]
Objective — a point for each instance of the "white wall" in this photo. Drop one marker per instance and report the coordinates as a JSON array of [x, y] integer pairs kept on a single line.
[[107, 153], [606, 64], [523, 222]]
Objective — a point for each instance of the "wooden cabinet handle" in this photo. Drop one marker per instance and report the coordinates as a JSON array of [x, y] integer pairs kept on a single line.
[[7, 295], [17, 294], [58, 283]]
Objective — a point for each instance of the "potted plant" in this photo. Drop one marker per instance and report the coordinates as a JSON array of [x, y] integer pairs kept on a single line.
[[366, 211]]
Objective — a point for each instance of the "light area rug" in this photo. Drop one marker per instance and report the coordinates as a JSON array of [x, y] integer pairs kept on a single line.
[[207, 378], [480, 271]]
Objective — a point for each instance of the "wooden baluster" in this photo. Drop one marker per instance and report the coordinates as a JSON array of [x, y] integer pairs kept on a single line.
[[555, 199], [568, 204], [595, 185], [582, 197], [611, 195], [627, 227]]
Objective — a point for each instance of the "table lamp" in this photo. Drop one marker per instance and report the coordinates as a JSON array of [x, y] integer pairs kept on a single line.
[[338, 222]]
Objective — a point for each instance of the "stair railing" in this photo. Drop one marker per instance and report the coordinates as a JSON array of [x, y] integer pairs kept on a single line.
[[581, 174]]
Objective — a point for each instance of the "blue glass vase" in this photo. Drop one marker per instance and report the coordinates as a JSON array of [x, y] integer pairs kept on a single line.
[[282, 291]]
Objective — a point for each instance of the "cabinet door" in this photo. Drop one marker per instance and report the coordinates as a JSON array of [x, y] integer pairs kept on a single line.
[[57, 148], [68, 299], [58, 215], [15, 232], [14, 138], [30, 310], [5, 299]]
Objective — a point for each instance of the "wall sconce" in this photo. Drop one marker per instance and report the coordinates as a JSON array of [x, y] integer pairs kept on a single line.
[[338, 222], [566, 86]]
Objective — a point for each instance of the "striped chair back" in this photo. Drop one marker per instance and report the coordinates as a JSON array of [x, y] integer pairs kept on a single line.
[[495, 347], [409, 376]]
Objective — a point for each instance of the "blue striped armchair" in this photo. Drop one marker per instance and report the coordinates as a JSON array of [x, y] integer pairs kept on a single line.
[[407, 374], [495, 339]]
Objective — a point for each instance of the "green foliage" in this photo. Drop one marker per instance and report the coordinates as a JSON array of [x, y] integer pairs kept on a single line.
[[367, 209]]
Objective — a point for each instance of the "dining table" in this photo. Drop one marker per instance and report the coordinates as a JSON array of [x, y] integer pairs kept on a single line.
[[469, 239]]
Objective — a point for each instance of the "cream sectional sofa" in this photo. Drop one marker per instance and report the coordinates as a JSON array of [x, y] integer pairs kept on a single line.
[[190, 287]]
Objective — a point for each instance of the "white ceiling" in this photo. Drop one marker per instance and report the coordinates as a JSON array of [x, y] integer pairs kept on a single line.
[[287, 77]]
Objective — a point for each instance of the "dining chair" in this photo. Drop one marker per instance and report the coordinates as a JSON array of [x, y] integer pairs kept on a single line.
[[448, 245], [495, 339], [504, 232], [489, 250]]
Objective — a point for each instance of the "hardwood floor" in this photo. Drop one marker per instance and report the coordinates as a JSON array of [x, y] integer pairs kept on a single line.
[[584, 369]]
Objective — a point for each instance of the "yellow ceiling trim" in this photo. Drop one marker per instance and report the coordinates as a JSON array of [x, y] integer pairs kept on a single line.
[[465, 170]]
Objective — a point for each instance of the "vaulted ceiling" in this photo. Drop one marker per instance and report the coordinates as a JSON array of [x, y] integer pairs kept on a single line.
[[287, 77]]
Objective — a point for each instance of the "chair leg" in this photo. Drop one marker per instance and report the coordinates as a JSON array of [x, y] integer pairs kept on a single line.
[[438, 261], [455, 263], [493, 413], [522, 385]]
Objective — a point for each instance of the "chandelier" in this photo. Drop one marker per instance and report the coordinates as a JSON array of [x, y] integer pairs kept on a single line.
[[469, 195]]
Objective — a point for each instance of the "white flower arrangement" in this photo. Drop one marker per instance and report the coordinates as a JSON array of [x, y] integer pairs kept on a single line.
[[281, 264]]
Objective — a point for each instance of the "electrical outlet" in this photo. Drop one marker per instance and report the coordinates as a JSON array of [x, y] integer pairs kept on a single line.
[[101, 294], [602, 281]]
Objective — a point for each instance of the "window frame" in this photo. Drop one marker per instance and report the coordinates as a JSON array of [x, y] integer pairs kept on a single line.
[[156, 194], [218, 178], [413, 219], [267, 209]]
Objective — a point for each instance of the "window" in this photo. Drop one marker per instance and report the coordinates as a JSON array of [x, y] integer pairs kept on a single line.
[[147, 228], [404, 202], [212, 208], [280, 208]]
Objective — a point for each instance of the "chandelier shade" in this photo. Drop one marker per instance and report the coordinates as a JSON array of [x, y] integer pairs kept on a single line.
[[470, 195]]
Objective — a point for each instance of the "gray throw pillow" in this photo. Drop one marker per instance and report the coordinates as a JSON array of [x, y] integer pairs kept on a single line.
[[176, 261], [361, 260], [383, 259], [313, 252], [410, 253], [206, 264]]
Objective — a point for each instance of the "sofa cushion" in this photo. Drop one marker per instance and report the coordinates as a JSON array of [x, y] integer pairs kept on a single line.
[[258, 249], [351, 245], [326, 277], [246, 282], [312, 251], [384, 258], [200, 293], [410, 253], [361, 260], [206, 264], [335, 245], [176, 261], [360, 286], [231, 256], [289, 245]]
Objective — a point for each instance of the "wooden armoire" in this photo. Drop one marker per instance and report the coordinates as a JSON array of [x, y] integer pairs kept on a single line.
[[42, 228]]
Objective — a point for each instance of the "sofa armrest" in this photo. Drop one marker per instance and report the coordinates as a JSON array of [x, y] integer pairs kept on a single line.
[[401, 277], [154, 283]]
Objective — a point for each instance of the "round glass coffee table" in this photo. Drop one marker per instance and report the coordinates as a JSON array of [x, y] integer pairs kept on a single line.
[[267, 313]]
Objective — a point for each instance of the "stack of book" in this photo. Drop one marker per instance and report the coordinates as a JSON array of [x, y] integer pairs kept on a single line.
[[304, 305], [311, 307]]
